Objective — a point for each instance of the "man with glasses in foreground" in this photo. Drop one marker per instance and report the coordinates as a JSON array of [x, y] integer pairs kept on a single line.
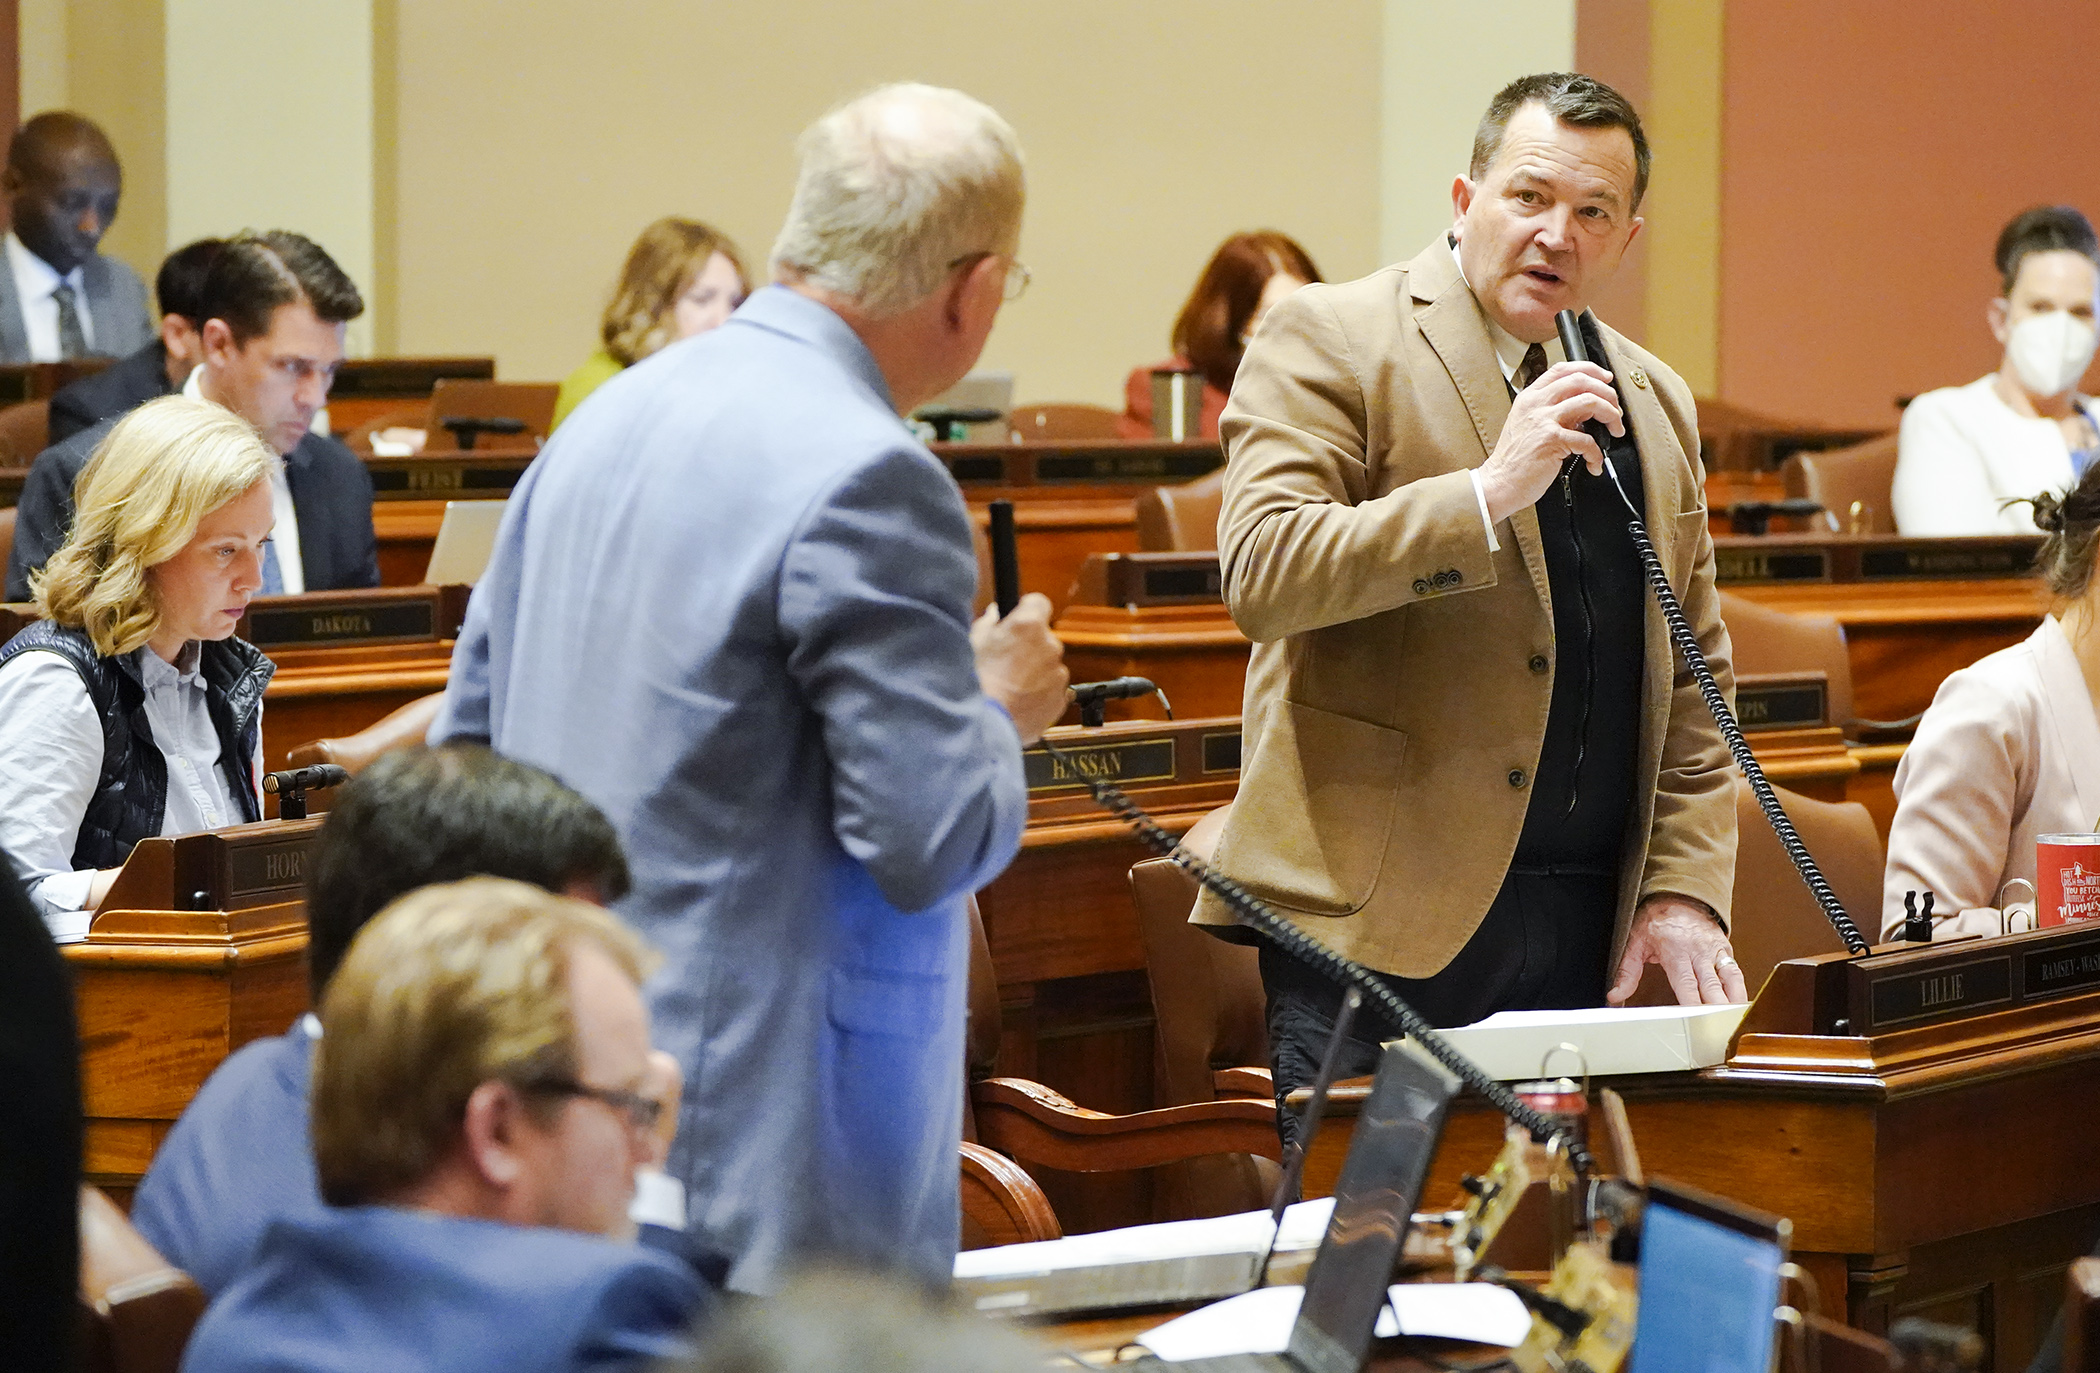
[[273, 309], [484, 1091], [730, 604]]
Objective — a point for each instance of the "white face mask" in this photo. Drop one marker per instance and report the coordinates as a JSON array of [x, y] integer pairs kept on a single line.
[[2051, 352]]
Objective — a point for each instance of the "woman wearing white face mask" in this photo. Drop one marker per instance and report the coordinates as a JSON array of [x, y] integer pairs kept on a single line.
[[1966, 451]]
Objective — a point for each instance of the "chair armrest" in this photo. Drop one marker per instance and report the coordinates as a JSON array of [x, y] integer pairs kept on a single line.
[[1029, 1122], [1244, 1082], [408, 725], [1008, 1206]]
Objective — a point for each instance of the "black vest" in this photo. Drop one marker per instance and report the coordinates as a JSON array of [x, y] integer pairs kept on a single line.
[[1582, 789], [131, 795]]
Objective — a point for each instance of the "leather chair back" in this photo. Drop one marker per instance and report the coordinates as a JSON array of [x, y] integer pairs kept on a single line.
[[1183, 518], [530, 402], [1766, 640], [25, 431], [1062, 420], [404, 727], [136, 1310], [1775, 917], [1836, 478]]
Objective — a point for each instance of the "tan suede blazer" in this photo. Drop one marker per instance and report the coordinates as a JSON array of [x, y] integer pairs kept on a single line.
[[1396, 702]]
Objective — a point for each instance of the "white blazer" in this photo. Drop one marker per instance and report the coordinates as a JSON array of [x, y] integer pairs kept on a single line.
[[2010, 750], [1962, 453]]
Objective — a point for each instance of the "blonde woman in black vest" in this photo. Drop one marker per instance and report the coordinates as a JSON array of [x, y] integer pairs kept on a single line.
[[130, 710]]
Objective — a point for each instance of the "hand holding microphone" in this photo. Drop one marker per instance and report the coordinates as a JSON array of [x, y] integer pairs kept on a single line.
[[1547, 422], [1020, 663]]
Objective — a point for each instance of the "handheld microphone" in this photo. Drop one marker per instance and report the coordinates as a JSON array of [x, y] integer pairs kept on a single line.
[[1006, 558]]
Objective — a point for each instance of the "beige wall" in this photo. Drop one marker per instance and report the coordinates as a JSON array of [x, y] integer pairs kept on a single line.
[[535, 139]]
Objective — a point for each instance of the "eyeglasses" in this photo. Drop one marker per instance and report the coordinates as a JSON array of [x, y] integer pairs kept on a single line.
[[1017, 276], [642, 1112]]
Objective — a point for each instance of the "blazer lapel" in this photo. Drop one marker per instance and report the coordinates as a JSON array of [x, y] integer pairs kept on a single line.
[[1657, 442], [2068, 706], [308, 511], [1456, 329], [14, 334]]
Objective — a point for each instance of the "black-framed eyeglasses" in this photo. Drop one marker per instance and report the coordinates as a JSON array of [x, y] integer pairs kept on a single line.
[[1017, 276], [642, 1112]]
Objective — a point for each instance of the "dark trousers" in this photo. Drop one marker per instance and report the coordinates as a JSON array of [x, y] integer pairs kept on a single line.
[[1543, 945]]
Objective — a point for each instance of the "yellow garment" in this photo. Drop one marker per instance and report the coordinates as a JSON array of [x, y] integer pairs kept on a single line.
[[600, 368]]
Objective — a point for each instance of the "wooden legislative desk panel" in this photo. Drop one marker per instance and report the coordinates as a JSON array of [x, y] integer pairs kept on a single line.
[[367, 389], [1936, 1166], [199, 948]]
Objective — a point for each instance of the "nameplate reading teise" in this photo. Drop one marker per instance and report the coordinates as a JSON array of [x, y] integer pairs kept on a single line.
[[381, 615]]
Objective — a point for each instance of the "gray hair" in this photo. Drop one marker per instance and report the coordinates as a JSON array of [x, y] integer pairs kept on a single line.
[[895, 188]]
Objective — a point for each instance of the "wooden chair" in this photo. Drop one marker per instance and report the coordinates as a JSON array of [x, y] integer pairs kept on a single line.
[[25, 431], [2082, 1317], [1062, 420], [404, 727], [529, 402], [1001, 1204], [1040, 1128], [1765, 640], [1181, 519], [136, 1310], [1775, 918], [7, 534], [1864, 473]]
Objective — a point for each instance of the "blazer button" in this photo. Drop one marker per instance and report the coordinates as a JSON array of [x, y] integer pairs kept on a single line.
[[1455, 575], [1539, 663], [1421, 587], [1516, 777]]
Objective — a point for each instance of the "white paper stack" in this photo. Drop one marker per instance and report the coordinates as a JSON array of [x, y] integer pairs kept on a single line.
[[1259, 1322], [1178, 1261], [1632, 1039]]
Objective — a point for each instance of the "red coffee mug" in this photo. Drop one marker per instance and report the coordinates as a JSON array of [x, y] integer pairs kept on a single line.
[[2067, 878]]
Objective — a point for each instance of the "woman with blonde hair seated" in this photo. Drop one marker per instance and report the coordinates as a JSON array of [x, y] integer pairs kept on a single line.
[[682, 278], [130, 710], [2010, 749]]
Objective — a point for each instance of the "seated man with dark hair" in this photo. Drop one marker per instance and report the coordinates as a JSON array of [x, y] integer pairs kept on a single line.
[[275, 307], [240, 1156], [484, 1092], [158, 369]]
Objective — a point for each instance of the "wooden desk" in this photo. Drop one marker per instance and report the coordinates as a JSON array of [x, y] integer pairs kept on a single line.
[[1880, 1147], [164, 992]]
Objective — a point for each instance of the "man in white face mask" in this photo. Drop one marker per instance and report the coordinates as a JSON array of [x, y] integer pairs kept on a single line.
[[1967, 450]]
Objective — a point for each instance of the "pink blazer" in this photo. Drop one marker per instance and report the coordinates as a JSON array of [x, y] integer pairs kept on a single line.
[[2010, 750]]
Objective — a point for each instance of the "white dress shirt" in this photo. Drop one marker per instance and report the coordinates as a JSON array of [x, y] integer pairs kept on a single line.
[[1509, 351], [51, 759], [285, 533], [35, 280], [1962, 452]]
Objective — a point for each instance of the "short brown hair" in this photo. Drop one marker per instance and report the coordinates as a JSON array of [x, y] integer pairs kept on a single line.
[[660, 265], [253, 274], [1571, 98], [2072, 522], [449, 987], [1207, 331], [2043, 229]]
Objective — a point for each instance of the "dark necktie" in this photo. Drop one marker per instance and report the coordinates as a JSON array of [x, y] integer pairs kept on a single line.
[[71, 342], [1533, 367]]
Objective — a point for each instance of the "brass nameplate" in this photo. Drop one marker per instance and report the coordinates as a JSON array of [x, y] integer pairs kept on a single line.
[[295, 625], [977, 469], [1141, 760], [1758, 565], [1153, 465], [1939, 560], [423, 479], [2061, 970], [1900, 998], [1194, 583], [260, 869], [1221, 751], [1797, 705]]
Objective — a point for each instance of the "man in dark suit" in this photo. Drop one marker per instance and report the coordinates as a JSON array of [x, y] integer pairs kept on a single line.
[[59, 297], [483, 1092], [274, 307], [158, 369]]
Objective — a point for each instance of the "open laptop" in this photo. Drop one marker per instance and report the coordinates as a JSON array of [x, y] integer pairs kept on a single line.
[[1709, 1283], [1374, 1200], [465, 540]]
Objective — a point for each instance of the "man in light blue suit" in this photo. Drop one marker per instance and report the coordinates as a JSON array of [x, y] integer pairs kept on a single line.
[[730, 604], [484, 1092]]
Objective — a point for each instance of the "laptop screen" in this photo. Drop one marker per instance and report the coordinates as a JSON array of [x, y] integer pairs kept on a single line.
[[1709, 1283], [1374, 1201]]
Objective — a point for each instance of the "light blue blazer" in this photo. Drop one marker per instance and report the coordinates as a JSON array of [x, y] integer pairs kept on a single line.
[[730, 603]]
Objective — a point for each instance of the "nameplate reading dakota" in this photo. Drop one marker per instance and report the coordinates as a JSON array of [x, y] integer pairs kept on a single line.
[[1142, 760], [342, 624]]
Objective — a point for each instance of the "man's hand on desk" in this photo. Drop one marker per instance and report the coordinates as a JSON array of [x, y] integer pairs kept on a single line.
[[1682, 936], [1544, 427], [1022, 665]]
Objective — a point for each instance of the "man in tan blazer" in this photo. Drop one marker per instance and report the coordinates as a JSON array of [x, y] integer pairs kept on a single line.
[[1471, 762]]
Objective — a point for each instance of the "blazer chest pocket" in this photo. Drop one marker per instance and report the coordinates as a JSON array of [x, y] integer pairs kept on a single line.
[[1315, 810]]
